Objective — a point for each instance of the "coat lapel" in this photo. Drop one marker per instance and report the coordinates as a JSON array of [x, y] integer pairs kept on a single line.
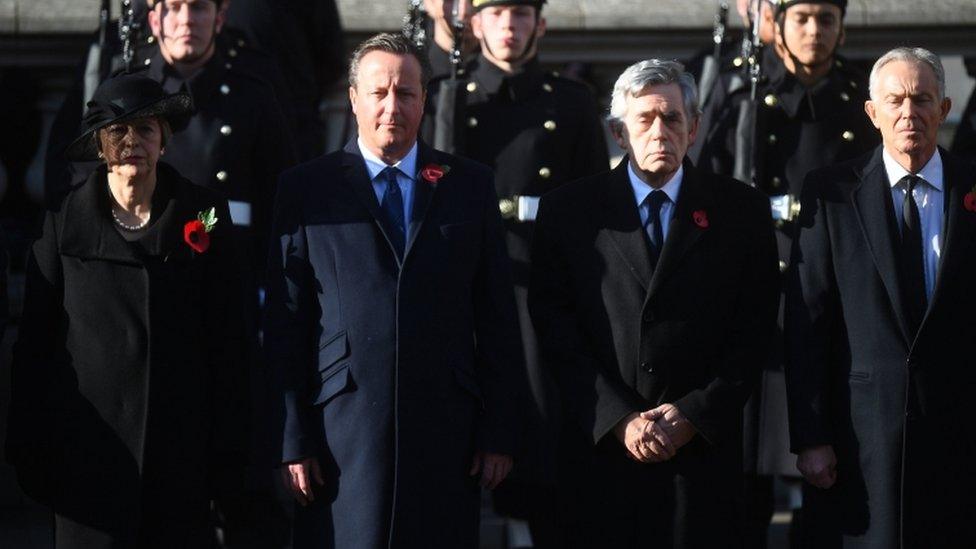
[[624, 225], [683, 232], [959, 226], [872, 202], [354, 169], [88, 231], [423, 193]]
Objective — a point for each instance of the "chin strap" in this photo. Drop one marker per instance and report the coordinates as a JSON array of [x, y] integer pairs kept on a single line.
[[211, 46], [796, 60], [528, 46]]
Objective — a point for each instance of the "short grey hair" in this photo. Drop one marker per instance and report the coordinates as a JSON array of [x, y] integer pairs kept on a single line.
[[652, 72], [389, 42], [919, 56]]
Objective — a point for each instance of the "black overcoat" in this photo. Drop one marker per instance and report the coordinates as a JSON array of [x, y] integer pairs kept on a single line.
[[392, 373], [624, 337], [129, 399], [893, 404]]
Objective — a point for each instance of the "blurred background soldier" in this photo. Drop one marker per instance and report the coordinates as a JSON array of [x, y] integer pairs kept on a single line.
[[964, 142], [809, 113], [536, 130], [440, 42]]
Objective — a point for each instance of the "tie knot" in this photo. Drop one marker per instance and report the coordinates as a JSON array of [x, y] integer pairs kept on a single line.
[[911, 181], [656, 199], [389, 174]]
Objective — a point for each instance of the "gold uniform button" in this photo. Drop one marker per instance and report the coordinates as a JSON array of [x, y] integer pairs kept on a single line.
[[844, 96], [555, 73], [507, 207], [224, 89], [782, 266], [150, 39], [472, 122], [544, 172], [221, 176], [240, 43], [848, 135], [737, 61], [547, 86], [228, 65], [232, 52], [226, 130], [550, 125], [776, 182], [472, 86], [147, 62], [854, 84], [772, 139], [838, 63], [771, 100]]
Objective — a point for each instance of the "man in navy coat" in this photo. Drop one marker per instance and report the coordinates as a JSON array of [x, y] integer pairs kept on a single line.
[[392, 326]]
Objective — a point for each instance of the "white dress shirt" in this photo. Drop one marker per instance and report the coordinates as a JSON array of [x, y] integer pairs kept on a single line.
[[930, 197], [406, 174], [641, 190]]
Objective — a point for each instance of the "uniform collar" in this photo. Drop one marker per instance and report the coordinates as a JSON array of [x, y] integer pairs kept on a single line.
[[201, 85], [931, 173], [525, 82]]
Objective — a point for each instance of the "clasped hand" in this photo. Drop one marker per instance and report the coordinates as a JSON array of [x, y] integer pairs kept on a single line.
[[656, 435]]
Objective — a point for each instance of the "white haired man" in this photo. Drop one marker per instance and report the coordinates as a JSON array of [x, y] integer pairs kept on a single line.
[[653, 291], [880, 327]]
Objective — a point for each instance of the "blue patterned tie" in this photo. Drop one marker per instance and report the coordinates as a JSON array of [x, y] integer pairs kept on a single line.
[[392, 206], [655, 233]]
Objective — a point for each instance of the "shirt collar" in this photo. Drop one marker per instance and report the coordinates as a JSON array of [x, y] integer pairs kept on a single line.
[[407, 165], [641, 189], [931, 173]]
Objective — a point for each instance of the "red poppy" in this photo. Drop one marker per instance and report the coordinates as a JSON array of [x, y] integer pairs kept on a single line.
[[195, 235], [970, 201], [433, 172], [701, 218]]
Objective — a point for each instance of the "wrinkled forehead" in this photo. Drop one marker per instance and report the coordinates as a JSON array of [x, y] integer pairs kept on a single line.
[[663, 97]]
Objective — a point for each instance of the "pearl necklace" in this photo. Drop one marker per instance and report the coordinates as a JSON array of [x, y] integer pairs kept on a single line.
[[138, 227]]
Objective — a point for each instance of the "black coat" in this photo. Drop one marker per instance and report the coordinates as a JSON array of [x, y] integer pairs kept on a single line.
[[128, 388], [536, 131], [623, 337], [893, 404], [964, 142], [392, 374]]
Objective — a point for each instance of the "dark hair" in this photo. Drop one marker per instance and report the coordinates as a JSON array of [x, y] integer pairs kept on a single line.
[[391, 43]]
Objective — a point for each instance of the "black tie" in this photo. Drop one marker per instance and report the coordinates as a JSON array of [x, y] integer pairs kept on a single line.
[[655, 233], [912, 255], [392, 206]]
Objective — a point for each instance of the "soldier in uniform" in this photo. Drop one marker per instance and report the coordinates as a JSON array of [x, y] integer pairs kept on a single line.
[[439, 48], [810, 113], [964, 142], [536, 130]]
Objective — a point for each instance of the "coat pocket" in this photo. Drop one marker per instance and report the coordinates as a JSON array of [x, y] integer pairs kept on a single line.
[[859, 377], [331, 352], [337, 382]]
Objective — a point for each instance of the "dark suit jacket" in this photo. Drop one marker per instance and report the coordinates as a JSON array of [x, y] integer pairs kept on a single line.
[[129, 379], [891, 402], [392, 373], [694, 331]]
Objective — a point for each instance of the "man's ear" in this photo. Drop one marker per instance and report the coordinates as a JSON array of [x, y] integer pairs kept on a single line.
[[946, 107], [221, 16], [617, 131], [352, 98], [540, 28], [869, 109], [154, 22], [693, 130], [476, 26], [843, 35]]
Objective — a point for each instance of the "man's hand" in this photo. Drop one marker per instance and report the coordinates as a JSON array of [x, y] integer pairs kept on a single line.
[[818, 464], [673, 422], [644, 440], [494, 468], [296, 476]]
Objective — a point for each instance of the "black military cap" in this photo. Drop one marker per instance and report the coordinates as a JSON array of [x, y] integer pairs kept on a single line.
[[128, 97], [482, 4], [783, 5]]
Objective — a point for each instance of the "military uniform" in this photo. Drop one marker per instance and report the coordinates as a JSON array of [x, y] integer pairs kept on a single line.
[[536, 131], [964, 142]]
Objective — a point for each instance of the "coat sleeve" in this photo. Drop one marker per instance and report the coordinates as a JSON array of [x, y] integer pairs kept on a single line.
[[289, 326], [715, 409], [600, 399], [590, 155], [39, 366], [229, 359], [812, 316], [500, 360]]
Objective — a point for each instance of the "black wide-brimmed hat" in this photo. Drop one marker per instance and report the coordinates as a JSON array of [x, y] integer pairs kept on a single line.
[[127, 97], [783, 5]]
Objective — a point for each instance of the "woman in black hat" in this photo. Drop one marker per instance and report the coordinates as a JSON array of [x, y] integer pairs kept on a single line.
[[127, 403]]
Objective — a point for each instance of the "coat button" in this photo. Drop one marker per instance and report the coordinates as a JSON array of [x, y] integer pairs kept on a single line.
[[547, 86], [147, 62], [472, 86], [228, 66], [844, 96], [550, 125], [226, 130], [224, 89], [854, 84], [782, 266], [646, 366], [150, 39], [771, 100], [772, 139], [776, 182], [241, 43], [472, 122], [838, 63], [738, 61], [232, 52], [544, 172], [221, 176], [848, 135]]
